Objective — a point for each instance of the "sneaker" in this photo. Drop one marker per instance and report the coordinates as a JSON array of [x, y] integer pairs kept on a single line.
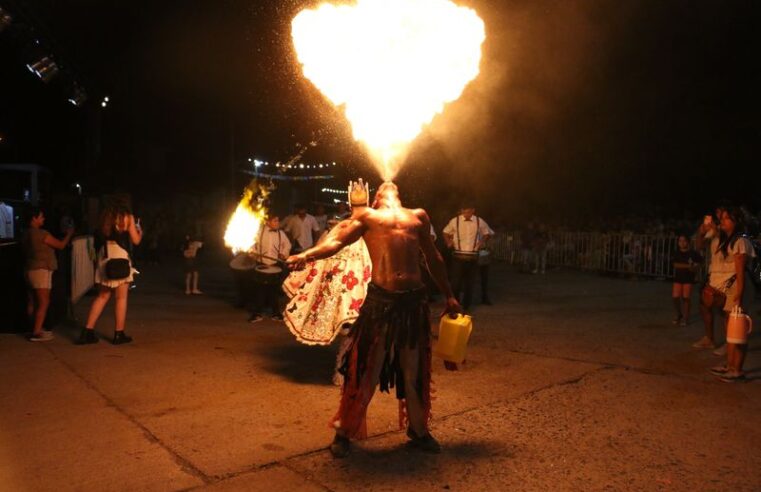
[[196, 292], [427, 443], [704, 343], [721, 351], [120, 338], [683, 322], [676, 320], [44, 336], [277, 317], [87, 337], [340, 447], [255, 318]]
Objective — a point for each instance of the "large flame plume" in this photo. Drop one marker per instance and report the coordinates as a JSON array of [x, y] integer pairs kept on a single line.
[[392, 65], [244, 224]]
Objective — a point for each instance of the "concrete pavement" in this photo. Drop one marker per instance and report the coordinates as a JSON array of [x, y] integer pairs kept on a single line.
[[573, 382]]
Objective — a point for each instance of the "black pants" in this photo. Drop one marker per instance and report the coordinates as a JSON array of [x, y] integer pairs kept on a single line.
[[463, 276], [267, 296]]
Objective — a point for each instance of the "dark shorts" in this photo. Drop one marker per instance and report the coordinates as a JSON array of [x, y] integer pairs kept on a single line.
[[684, 277], [191, 265]]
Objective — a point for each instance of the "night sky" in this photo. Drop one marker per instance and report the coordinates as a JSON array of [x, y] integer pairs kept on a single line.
[[582, 108]]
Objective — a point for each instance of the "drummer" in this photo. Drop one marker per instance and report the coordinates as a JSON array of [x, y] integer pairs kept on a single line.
[[271, 244]]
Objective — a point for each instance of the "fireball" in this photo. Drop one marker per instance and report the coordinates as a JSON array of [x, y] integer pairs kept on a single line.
[[391, 65], [244, 224]]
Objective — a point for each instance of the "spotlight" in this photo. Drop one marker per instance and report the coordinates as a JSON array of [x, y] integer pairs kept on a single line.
[[45, 68], [5, 19], [78, 96], [104, 102]]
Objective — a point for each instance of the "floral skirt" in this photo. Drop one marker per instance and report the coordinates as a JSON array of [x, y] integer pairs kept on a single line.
[[327, 294]]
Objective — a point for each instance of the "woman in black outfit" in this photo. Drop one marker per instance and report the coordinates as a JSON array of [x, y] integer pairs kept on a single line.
[[118, 232]]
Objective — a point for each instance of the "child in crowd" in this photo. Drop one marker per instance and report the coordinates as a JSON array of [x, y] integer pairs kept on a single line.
[[190, 252], [686, 262]]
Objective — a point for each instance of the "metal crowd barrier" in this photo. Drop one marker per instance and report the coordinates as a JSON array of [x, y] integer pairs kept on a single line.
[[622, 253], [82, 266]]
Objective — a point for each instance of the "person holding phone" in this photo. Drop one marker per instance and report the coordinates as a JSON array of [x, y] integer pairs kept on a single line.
[[41, 262], [117, 233], [730, 252]]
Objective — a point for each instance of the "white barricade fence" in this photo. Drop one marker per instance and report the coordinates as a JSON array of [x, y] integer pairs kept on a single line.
[[82, 266], [636, 254]]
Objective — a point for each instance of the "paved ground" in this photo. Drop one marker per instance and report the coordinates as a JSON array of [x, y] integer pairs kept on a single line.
[[574, 382]]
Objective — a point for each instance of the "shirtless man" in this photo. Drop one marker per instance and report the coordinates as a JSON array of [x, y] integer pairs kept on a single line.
[[390, 343]]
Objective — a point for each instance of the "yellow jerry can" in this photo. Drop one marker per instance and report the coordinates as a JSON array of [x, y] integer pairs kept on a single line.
[[453, 338]]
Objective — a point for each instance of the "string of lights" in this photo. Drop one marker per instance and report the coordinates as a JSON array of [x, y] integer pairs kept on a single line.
[[258, 163]]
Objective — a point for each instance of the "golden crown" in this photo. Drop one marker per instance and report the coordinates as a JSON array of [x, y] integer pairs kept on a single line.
[[359, 194]]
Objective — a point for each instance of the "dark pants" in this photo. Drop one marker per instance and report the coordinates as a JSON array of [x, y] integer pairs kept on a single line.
[[463, 276], [267, 296]]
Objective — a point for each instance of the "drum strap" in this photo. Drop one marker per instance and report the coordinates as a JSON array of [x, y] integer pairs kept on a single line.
[[279, 241]]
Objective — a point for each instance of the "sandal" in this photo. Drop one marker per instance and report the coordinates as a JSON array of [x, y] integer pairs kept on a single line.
[[704, 343], [719, 370], [733, 377]]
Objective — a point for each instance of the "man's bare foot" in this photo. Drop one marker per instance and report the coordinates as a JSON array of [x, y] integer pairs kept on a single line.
[[340, 447], [427, 443]]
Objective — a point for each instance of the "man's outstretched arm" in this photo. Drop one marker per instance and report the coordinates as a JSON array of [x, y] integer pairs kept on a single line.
[[342, 235], [436, 264]]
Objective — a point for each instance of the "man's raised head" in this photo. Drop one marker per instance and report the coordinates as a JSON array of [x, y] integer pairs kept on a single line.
[[387, 195]]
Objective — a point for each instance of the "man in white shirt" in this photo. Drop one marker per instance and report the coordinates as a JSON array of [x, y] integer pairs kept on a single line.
[[271, 245], [466, 235], [302, 228]]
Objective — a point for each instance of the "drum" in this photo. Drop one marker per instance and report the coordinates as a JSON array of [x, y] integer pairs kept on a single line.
[[268, 274], [243, 263]]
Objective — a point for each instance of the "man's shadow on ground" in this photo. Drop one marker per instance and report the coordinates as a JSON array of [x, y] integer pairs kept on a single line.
[[402, 460], [303, 364]]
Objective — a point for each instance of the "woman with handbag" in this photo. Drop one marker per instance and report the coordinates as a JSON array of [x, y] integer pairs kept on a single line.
[[117, 233]]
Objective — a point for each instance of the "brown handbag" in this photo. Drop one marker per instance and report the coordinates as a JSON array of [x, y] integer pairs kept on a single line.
[[712, 297]]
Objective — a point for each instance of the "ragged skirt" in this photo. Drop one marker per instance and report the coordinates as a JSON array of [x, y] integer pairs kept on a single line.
[[390, 346]]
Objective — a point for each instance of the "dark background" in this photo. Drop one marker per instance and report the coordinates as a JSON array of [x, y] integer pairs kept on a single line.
[[583, 108]]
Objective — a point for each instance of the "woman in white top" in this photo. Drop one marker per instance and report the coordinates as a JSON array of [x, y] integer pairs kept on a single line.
[[730, 253]]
